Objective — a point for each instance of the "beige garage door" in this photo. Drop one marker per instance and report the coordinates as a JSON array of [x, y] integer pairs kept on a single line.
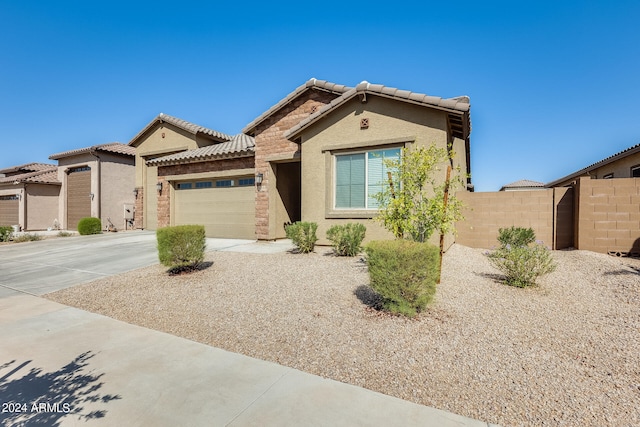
[[226, 207], [78, 196], [9, 210]]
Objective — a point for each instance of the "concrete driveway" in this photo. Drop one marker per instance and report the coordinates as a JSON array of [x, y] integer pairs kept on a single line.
[[61, 366]]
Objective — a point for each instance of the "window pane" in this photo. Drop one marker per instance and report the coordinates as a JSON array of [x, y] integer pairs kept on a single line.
[[635, 172], [377, 174], [350, 192]]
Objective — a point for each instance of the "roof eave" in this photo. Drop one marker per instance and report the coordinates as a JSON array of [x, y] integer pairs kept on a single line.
[[204, 158]]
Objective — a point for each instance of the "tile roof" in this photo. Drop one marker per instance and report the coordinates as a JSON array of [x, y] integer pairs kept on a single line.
[[240, 145], [111, 147], [457, 105], [28, 167], [312, 83], [524, 183], [624, 153], [184, 125], [48, 176]]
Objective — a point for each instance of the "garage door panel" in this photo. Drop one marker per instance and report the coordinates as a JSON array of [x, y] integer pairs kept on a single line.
[[78, 197], [9, 206], [224, 212]]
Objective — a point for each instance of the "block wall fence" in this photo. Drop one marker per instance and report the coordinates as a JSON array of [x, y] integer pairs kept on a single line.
[[596, 215]]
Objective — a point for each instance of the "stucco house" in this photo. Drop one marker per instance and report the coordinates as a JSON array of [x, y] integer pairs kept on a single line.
[[96, 181], [624, 164], [313, 156], [29, 196]]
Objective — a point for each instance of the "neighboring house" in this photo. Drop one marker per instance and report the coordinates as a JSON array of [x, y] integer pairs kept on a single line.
[[523, 185], [625, 164], [97, 181], [29, 196], [309, 158]]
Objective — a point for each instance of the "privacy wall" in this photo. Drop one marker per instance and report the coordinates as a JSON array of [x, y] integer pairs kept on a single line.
[[548, 212]]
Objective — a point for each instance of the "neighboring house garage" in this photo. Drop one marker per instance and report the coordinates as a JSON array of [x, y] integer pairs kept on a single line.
[[78, 195], [29, 196], [9, 210], [97, 181]]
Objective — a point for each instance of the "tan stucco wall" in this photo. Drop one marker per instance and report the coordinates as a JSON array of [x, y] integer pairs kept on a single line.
[[118, 179], [160, 140], [42, 201], [391, 123]]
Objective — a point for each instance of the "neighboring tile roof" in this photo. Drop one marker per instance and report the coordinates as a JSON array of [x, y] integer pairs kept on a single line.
[[48, 176], [182, 124], [624, 153], [309, 84], [239, 146], [28, 167], [458, 105], [524, 183], [111, 147]]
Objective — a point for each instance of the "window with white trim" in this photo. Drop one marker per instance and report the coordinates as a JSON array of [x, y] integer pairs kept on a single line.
[[635, 172], [359, 176], [608, 176]]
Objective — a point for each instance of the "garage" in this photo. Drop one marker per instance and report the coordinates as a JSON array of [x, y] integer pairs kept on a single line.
[[9, 206], [226, 207], [78, 195]]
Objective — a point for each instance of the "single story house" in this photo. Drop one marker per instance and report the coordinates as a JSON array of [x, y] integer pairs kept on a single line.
[[96, 181], [29, 196], [316, 155], [625, 164]]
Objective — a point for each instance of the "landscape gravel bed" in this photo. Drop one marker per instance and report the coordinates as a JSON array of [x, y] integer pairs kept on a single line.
[[566, 352]]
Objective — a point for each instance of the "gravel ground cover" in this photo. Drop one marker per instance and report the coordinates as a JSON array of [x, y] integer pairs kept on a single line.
[[564, 353]]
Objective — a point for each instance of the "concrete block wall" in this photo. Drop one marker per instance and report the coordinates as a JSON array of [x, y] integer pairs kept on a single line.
[[608, 215], [486, 213]]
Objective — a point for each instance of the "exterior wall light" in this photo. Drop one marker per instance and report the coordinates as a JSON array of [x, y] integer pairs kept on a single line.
[[159, 186], [259, 177]]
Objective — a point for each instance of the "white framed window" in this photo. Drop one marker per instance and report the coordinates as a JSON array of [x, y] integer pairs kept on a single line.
[[359, 176], [635, 171], [608, 176]]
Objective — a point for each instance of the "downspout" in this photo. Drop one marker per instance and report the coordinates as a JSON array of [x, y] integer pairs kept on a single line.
[[99, 179]]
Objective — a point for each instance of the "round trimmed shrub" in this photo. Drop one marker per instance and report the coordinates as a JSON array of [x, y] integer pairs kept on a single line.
[[89, 225]]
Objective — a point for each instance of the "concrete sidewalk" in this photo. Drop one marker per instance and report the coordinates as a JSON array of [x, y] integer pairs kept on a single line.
[[61, 364]]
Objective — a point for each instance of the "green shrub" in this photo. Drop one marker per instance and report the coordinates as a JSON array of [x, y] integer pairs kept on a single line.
[[404, 274], [303, 235], [89, 225], [27, 237], [346, 239], [516, 236], [5, 233], [181, 246], [522, 265]]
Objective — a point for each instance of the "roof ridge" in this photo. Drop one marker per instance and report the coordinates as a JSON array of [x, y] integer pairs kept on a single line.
[[312, 83]]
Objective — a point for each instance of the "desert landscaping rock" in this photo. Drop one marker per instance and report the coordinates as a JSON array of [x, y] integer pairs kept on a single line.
[[566, 352]]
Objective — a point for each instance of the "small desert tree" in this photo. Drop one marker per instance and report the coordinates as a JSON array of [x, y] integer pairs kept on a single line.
[[418, 200]]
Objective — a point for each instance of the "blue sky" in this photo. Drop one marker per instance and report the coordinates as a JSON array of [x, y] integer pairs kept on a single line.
[[554, 86]]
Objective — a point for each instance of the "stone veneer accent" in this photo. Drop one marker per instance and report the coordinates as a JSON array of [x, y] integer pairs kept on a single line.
[[138, 208], [270, 142]]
